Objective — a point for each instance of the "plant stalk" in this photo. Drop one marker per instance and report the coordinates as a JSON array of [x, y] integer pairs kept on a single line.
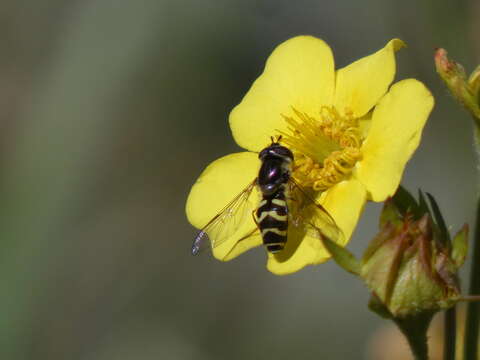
[[470, 349], [450, 334], [415, 330]]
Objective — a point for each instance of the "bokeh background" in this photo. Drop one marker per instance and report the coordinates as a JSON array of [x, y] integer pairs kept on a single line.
[[109, 112]]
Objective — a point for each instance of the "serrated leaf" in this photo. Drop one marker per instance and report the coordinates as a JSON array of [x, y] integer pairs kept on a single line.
[[344, 258], [460, 246]]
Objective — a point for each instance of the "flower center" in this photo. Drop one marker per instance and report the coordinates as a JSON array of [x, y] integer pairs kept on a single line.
[[325, 148]]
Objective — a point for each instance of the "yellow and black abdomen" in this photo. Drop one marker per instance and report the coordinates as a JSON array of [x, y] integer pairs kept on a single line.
[[272, 212], [272, 219]]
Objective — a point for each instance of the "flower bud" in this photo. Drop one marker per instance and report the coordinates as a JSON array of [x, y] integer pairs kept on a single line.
[[411, 265], [453, 74], [408, 268], [474, 83]]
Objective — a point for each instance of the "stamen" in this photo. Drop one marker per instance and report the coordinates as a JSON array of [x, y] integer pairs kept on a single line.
[[325, 149]]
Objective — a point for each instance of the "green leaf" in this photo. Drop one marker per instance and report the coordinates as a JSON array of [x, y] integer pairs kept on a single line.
[[342, 256], [460, 246]]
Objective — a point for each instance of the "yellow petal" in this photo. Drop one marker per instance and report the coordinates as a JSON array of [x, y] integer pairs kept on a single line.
[[360, 85], [298, 253], [300, 74], [344, 202], [216, 187], [394, 134]]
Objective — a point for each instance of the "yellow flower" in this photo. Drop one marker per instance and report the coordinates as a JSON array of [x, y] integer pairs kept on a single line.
[[351, 136]]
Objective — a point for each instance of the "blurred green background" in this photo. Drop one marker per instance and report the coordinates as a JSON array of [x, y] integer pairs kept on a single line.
[[111, 109]]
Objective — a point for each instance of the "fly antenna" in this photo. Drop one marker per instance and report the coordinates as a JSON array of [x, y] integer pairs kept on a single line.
[[276, 140]]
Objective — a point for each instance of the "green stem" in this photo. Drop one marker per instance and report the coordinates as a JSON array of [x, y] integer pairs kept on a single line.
[[449, 336], [473, 308], [415, 330]]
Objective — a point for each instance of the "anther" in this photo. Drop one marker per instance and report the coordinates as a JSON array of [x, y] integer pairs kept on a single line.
[[326, 149]]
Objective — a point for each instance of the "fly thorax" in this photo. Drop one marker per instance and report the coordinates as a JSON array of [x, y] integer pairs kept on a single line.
[[287, 167], [326, 148], [274, 174]]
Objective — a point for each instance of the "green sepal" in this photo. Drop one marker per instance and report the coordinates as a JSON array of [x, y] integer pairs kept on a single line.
[[474, 83], [465, 91], [422, 203], [460, 246], [344, 258], [387, 232], [439, 222], [381, 263], [390, 214], [378, 307], [406, 203]]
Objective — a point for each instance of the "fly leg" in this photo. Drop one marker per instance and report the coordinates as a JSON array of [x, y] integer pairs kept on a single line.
[[255, 219]]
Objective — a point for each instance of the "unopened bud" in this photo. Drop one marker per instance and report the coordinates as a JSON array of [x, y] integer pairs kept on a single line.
[[448, 69], [410, 266], [408, 270], [453, 74], [474, 83]]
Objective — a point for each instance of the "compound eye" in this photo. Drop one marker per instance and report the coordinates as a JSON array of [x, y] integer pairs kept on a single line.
[[263, 153], [284, 152]]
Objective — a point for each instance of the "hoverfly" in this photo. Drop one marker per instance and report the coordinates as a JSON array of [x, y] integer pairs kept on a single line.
[[283, 205]]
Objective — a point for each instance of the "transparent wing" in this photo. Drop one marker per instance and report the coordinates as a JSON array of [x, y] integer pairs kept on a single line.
[[226, 222], [310, 217]]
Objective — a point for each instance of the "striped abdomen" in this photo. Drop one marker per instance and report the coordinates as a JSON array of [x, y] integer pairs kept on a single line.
[[272, 219]]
